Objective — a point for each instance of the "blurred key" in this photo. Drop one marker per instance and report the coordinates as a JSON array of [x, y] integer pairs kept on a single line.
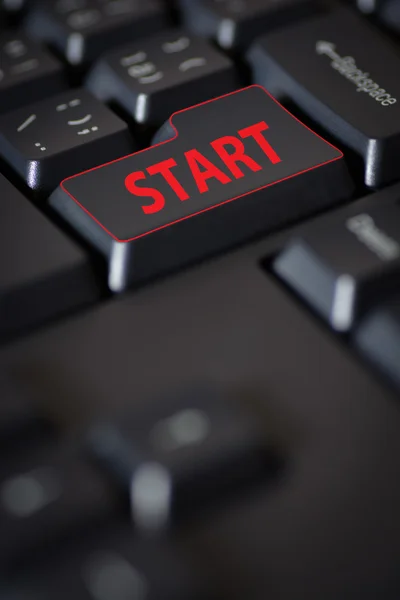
[[155, 78], [85, 29], [13, 6], [111, 565], [28, 72], [46, 496], [234, 167], [343, 72], [57, 137], [235, 23], [344, 261], [378, 337], [12, 12], [369, 6], [42, 272], [184, 452]]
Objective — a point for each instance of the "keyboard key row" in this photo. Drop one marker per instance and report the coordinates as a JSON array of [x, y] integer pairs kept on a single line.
[[57, 137]]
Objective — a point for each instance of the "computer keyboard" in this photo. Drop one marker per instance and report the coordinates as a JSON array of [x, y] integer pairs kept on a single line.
[[199, 300]]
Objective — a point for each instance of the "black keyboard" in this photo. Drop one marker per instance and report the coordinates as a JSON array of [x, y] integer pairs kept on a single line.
[[199, 300]]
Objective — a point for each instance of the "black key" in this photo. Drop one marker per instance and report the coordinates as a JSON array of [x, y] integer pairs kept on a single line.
[[20, 419], [42, 272], [138, 210], [183, 452], [112, 565], [83, 29], [343, 72], [27, 72], [52, 139], [342, 262], [163, 74], [378, 337], [235, 23], [46, 497]]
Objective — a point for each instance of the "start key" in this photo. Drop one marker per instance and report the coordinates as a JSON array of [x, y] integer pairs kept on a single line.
[[220, 173]]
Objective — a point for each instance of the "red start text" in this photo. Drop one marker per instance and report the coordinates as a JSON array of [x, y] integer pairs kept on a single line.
[[230, 150]]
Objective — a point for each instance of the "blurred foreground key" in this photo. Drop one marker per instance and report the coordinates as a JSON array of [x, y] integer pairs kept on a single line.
[[181, 454], [112, 565], [48, 494]]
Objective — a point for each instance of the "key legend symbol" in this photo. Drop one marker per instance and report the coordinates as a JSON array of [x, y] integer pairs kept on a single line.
[[26, 123]]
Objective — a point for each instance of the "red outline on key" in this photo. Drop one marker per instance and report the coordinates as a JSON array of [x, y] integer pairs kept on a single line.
[[174, 138]]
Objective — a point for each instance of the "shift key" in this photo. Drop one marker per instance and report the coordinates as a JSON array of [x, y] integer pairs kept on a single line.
[[220, 173], [343, 72]]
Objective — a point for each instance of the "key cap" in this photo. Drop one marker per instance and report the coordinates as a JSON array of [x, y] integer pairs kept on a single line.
[[343, 72], [163, 74], [378, 337], [343, 261], [42, 272], [20, 419], [182, 453], [151, 212], [27, 72], [111, 565], [60, 136], [83, 30], [46, 497], [235, 23]]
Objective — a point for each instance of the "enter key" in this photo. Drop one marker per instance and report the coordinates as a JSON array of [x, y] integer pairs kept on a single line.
[[222, 172]]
